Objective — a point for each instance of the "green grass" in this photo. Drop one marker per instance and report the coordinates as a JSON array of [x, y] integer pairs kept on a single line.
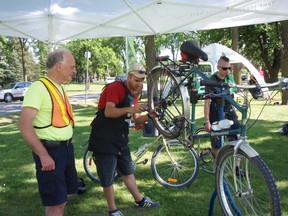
[[79, 88], [18, 187]]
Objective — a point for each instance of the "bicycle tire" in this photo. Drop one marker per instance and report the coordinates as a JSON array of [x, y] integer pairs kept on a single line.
[[203, 149], [180, 173], [170, 100], [90, 167], [257, 192]]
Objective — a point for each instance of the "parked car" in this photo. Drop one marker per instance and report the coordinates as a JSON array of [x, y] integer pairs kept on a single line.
[[14, 91], [109, 80], [121, 77]]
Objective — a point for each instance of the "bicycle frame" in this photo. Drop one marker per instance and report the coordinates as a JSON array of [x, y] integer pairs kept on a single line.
[[192, 73], [149, 145], [235, 154]]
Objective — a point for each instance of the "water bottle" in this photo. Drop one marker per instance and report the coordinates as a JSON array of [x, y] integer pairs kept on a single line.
[[140, 150], [225, 123], [222, 124]]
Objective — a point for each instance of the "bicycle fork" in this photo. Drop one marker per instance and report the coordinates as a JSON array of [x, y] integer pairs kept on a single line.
[[237, 172], [175, 163]]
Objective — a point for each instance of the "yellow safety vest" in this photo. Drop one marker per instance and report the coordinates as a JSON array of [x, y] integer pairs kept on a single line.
[[62, 114]]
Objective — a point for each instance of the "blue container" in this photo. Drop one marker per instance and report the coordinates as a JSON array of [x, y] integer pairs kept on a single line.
[[149, 129]]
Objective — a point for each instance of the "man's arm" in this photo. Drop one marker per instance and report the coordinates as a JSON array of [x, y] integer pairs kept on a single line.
[[29, 135], [111, 111], [141, 119]]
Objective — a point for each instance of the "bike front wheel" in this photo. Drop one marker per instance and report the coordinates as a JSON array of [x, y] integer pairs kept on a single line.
[[170, 100], [247, 186], [174, 165]]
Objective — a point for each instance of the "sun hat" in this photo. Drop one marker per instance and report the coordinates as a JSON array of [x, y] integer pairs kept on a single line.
[[137, 70]]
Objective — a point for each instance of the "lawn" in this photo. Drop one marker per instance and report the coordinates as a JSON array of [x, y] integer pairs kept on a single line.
[[18, 187], [80, 88]]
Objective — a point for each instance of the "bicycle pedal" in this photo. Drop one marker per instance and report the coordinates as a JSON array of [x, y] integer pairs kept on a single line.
[[142, 162]]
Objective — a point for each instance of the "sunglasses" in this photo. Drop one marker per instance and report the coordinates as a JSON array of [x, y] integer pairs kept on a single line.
[[225, 68]]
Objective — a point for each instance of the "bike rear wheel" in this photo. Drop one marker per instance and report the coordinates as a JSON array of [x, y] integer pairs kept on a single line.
[[202, 145], [257, 193], [179, 172], [170, 100], [90, 167]]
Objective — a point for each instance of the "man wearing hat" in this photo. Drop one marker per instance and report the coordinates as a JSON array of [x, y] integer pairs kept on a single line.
[[109, 136]]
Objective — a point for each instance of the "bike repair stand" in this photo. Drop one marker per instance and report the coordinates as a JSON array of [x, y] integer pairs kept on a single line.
[[220, 106]]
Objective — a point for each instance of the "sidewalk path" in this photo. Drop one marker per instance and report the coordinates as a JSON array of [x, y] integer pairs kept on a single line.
[[15, 106]]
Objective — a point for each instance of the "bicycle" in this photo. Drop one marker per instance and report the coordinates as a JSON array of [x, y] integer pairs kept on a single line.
[[171, 89], [172, 164]]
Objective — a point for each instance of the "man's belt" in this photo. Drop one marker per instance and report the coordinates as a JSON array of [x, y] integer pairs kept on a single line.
[[50, 144]]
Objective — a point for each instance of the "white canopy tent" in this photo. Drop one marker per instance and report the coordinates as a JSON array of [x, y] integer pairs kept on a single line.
[[215, 50], [53, 21]]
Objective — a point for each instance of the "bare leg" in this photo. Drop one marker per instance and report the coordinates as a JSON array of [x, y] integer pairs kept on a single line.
[[109, 195], [57, 210], [215, 152], [130, 183]]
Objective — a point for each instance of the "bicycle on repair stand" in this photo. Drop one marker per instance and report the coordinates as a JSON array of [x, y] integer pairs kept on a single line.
[[171, 90]]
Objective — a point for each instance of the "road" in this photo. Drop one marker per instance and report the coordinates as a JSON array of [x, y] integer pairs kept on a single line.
[[15, 106]]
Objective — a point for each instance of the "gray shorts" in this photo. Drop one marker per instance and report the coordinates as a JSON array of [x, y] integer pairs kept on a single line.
[[108, 164]]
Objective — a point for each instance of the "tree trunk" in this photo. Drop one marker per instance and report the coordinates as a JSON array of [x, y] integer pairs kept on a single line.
[[237, 67], [150, 52], [284, 56], [22, 45]]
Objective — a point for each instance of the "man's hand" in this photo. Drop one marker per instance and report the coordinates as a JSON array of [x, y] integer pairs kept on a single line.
[[152, 114], [47, 163], [139, 108], [207, 126]]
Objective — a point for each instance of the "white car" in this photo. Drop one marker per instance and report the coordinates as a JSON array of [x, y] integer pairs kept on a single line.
[[14, 91], [109, 80]]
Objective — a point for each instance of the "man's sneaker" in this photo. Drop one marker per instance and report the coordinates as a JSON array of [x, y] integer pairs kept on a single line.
[[147, 203], [116, 213]]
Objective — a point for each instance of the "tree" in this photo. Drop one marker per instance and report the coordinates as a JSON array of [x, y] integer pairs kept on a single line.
[[284, 55], [9, 64], [103, 62], [261, 44], [150, 52], [28, 65], [173, 42], [40, 51]]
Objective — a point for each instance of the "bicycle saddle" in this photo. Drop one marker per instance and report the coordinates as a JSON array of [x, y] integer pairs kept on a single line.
[[192, 52]]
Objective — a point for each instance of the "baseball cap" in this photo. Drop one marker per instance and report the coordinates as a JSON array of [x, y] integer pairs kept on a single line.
[[137, 70]]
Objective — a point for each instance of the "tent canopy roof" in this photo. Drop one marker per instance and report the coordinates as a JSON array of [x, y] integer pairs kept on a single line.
[[53, 21]]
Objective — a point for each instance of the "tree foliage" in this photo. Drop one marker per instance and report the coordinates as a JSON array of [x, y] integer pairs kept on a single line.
[[102, 63], [9, 62]]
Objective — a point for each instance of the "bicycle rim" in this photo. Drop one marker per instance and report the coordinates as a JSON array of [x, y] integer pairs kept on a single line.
[[169, 100], [257, 192], [203, 149], [180, 172], [90, 167]]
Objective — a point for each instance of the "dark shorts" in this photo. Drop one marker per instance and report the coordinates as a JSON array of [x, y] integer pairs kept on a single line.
[[107, 164], [54, 186]]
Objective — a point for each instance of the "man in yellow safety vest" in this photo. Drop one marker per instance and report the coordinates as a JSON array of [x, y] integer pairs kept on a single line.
[[46, 124]]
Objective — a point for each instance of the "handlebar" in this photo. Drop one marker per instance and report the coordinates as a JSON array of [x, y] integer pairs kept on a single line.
[[266, 85], [215, 95], [213, 83]]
